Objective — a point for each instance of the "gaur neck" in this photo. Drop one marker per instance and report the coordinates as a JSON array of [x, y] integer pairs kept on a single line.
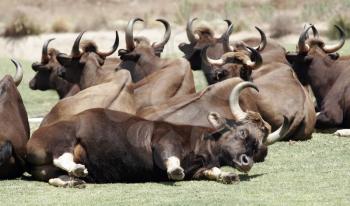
[[144, 67], [322, 78], [208, 150], [61, 86]]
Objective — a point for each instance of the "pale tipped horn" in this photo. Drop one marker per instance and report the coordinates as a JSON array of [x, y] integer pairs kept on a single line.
[[190, 35], [234, 99], [114, 47], [302, 46], [44, 54], [209, 61], [129, 36], [226, 39], [19, 72], [279, 134], [339, 45], [75, 49], [256, 59], [166, 34], [263, 40]]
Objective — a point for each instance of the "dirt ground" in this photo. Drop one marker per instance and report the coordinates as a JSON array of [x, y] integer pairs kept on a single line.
[[101, 17]]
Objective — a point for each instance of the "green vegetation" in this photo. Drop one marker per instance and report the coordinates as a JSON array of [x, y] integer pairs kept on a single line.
[[21, 25], [315, 172], [343, 22]]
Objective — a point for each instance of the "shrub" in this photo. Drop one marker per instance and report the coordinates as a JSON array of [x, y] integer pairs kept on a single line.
[[60, 26], [343, 22], [183, 12], [21, 25], [281, 25]]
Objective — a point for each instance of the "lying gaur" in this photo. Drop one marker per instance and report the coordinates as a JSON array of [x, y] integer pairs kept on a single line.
[[156, 79], [281, 92], [106, 146], [316, 64], [14, 126]]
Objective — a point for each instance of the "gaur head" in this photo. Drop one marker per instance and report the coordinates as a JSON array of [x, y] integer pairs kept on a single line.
[[313, 53], [244, 140], [238, 63], [89, 60], [139, 54], [205, 37], [46, 70], [139, 46]]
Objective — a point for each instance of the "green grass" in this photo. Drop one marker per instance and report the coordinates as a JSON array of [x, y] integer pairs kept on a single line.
[[315, 172]]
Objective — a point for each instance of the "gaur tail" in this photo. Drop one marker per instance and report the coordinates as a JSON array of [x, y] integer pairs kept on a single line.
[[5, 151]]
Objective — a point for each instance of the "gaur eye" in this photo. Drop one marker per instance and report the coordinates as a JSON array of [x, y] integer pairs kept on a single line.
[[243, 133]]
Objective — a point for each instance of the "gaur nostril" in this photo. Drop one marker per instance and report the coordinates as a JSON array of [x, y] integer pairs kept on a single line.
[[244, 159]]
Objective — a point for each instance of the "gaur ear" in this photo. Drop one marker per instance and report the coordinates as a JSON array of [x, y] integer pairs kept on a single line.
[[64, 60], [291, 57], [216, 120], [334, 56]]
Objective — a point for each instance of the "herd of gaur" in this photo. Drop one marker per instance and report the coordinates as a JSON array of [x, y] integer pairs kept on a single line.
[[138, 117]]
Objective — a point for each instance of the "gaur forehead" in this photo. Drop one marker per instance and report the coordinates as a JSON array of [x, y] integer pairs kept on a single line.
[[204, 31], [315, 42], [142, 41]]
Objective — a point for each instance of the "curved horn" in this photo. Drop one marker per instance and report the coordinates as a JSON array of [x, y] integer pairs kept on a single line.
[[229, 22], [315, 32], [190, 35], [75, 49], [263, 40], [210, 61], [302, 46], [44, 54], [19, 72], [166, 34], [226, 38], [114, 47], [255, 57], [279, 134], [129, 36], [234, 99], [336, 47]]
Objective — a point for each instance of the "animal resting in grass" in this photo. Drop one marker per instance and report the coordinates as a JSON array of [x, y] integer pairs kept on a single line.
[[14, 126], [101, 145], [273, 101], [316, 65], [163, 79]]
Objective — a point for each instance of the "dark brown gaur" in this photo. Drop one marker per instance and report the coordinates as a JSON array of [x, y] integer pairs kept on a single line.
[[46, 77], [312, 60], [147, 150], [89, 67], [14, 126]]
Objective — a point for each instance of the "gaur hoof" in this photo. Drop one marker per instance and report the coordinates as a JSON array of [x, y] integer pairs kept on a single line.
[[79, 171], [176, 174], [66, 181], [342, 133], [229, 178]]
